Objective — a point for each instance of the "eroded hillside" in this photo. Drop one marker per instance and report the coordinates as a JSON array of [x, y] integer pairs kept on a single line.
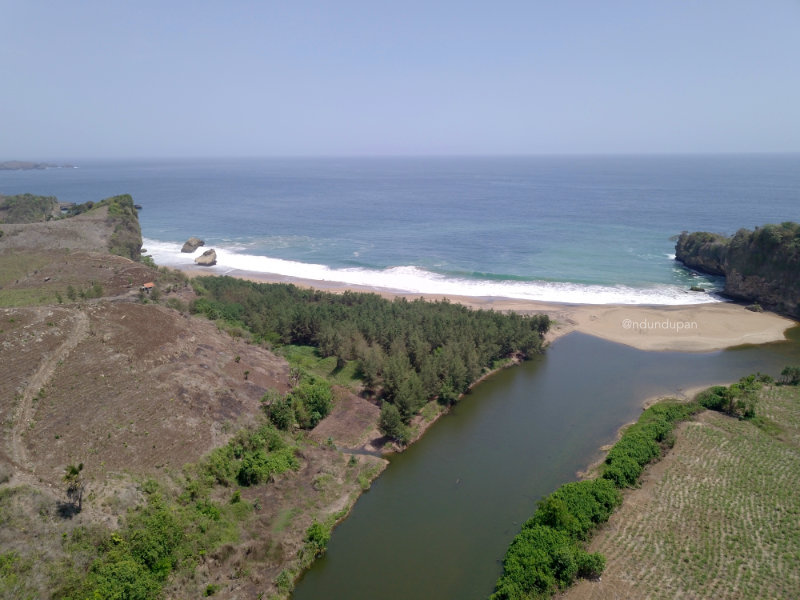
[[129, 385]]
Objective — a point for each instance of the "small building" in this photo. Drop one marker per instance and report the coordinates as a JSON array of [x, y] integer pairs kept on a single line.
[[147, 287]]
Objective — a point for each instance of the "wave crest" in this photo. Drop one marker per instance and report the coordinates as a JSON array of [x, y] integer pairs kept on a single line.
[[412, 279]]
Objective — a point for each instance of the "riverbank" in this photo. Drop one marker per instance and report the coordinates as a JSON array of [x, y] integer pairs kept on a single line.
[[680, 394], [684, 328]]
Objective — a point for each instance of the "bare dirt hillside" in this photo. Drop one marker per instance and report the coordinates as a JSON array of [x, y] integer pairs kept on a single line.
[[96, 371], [123, 386], [87, 232]]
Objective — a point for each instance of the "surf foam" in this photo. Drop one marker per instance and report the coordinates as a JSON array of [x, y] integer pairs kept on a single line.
[[412, 279]]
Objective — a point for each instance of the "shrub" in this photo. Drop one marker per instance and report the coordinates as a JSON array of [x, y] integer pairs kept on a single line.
[[315, 396], [790, 375], [317, 537], [576, 508], [281, 413], [591, 565], [714, 398], [547, 554]]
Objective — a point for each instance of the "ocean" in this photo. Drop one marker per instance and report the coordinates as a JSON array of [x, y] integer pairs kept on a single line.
[[576, 229]]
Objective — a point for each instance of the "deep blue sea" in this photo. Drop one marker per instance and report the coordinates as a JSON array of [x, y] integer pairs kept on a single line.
[[568, 229]]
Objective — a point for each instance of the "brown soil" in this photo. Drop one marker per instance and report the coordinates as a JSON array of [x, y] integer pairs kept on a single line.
[[51, 272], [135, 391], [138, 390], [124, 386], [349, 423], [88, 232]]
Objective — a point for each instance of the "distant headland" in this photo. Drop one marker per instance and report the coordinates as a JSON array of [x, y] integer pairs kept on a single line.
[[23, 165]]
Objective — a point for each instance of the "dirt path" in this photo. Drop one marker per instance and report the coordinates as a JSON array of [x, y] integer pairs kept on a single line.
[[39, 380]]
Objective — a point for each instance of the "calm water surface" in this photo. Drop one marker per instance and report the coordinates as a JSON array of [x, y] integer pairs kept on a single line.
[[437, 523]]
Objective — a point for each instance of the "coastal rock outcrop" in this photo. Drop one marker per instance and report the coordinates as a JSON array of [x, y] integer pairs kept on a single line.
[[760, 266], [192, 244], [207, 258]]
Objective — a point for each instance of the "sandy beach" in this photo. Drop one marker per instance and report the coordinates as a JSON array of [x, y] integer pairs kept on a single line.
[[688, 328]]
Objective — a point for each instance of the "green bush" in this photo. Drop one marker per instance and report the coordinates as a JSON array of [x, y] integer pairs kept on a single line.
[[314, 398], [738, 399], [576, 508], [253, 456], [591, 565], [714, 398], [259, 466], [120, 577], [642, 442], [790, 375], [281, 413], [547, 554], [317, 537], [540, 561]]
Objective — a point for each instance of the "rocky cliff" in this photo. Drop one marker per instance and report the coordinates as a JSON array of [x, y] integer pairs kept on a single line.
[[760, 266], [126, 239]]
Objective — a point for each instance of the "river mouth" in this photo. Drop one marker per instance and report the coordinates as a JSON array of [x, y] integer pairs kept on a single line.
[[437, 523]]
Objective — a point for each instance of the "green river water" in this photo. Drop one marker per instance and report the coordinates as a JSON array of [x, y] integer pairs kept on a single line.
[[437, 523]]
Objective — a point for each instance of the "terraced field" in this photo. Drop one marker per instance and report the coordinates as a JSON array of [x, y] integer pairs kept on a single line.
[[718, 517]]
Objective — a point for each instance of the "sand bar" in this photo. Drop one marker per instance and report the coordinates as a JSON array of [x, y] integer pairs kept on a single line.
[[689, 328]]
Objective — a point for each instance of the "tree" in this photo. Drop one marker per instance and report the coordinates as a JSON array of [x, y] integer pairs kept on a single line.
[[281, 413], [75, 485], [391, 423], [317, 538], [790, 375]]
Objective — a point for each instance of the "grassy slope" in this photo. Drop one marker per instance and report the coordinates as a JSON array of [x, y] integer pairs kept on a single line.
[[719, 517]]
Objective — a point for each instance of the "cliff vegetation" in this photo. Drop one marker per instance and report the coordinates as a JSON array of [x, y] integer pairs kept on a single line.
[[27, 208], [759, 266]]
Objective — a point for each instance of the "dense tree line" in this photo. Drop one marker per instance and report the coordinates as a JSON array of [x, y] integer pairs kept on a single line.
[[407, 351]]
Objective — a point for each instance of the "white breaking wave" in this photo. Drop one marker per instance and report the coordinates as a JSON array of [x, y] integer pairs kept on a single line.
[[412, 279]]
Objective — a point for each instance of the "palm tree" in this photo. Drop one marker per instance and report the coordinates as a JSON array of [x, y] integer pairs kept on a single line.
[[75, 485]]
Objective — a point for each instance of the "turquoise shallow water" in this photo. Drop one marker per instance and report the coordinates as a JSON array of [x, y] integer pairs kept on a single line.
[[570, 229]]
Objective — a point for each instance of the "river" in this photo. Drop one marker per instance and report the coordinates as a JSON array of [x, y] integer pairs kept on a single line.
[[437, 523]]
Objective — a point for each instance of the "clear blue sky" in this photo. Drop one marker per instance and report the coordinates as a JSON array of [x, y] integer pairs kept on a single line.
[[162, 79]]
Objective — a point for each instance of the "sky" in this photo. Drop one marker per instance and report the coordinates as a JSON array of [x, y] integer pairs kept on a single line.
[[109, 79]]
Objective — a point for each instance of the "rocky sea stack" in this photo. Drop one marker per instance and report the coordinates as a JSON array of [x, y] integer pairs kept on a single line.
[[207, 258], [192, 244], [760, 266]]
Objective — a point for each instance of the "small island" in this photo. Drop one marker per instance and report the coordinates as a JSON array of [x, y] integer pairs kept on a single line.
[[24, 165]]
